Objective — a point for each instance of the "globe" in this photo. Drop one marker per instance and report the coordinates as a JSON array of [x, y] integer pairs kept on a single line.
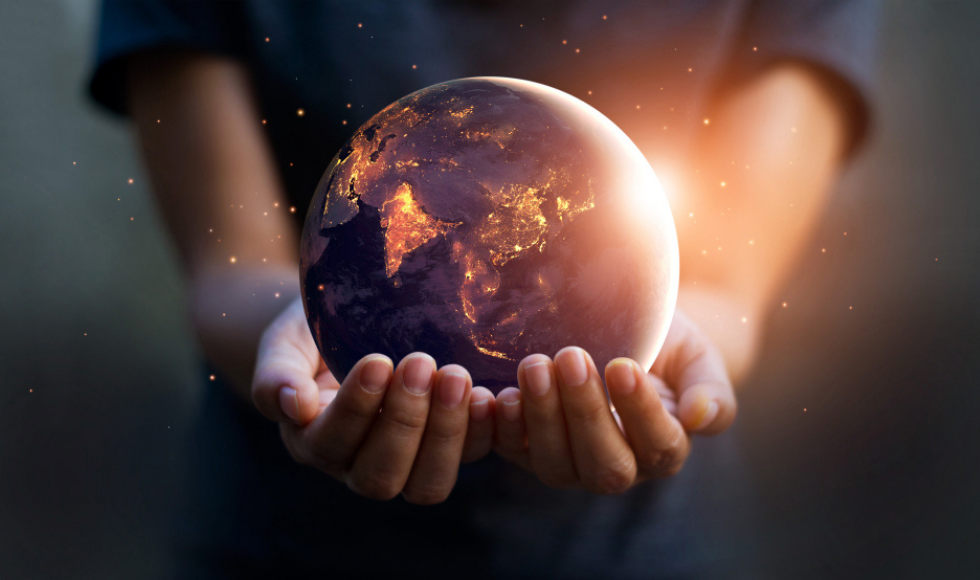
[[484, 219]]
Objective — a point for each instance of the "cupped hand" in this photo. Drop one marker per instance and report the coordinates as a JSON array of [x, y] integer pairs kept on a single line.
[[560, 426], [385, 430]]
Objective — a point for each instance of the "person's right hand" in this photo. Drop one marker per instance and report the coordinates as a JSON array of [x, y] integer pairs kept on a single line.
[[385, 430]]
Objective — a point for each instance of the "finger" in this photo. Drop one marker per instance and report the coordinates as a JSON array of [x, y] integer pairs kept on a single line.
[[383, 463], [547, 440], [603, 459], [437, 464], [283, 385], [479, 431], [695, 369], [331, 441], [658, 440], [509, 438]]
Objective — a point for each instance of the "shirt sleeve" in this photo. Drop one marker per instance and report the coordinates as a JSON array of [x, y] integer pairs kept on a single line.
[[836, 37], [130, 26]]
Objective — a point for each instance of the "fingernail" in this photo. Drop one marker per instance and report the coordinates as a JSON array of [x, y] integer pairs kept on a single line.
[[571, 365], [375, 374], [452, 386], [480, 410], [538, 377], [707, 415], [418, 374], [622, 376], [289, 403], [511, 410]]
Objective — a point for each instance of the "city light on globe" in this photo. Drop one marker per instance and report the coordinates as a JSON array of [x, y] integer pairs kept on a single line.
[[481, 220]]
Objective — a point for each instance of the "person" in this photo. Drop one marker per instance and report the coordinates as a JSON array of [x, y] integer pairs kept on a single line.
[[746, 111]]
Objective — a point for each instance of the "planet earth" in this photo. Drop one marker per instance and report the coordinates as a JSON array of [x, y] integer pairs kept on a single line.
[[481, 220]]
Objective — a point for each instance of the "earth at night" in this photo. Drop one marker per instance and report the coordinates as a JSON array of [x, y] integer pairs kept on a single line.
[[484, 219]]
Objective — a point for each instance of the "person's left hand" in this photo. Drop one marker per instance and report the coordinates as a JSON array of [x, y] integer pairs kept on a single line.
[[559, 424]]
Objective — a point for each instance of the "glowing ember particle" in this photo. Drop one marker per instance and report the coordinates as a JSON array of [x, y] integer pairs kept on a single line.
[[212, 377], [300, 112], [233, 259]]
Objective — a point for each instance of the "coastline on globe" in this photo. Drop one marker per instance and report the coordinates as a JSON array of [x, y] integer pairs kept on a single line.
[[484, 219]]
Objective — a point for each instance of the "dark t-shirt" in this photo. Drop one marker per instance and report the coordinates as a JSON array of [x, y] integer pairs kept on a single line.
[[651, 67], [648, 66]]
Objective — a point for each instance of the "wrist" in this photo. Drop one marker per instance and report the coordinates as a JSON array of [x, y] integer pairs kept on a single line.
[[733, 325], [230, 307]]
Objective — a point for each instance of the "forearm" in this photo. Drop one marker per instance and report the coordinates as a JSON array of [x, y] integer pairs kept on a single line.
[[757, 186], [219, 192]]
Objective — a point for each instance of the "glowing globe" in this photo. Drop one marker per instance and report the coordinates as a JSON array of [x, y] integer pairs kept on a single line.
[[484, 219]]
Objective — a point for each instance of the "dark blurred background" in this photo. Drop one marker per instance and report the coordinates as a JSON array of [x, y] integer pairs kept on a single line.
[[861, 420]]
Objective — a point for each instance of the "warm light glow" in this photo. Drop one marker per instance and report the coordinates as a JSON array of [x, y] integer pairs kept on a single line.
[[300, 112]]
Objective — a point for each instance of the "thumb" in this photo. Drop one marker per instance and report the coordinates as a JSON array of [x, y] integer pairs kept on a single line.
[[284, 386]]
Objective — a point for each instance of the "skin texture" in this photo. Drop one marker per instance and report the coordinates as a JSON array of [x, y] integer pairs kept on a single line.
[[388, 431]]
